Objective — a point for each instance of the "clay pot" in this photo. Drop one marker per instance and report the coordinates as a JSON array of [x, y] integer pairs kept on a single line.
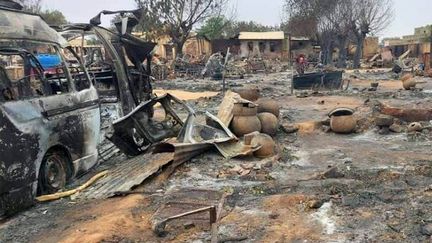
[[415, 127], [409, 84], [244, 110], [267, 146], [268, 105], [343, 124], [374, 85], [242, 125], [269, 123], [407, 76], [251, 94], [384, 121]]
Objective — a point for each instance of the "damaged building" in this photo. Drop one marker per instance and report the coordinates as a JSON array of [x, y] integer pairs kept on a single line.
[[416, 46], [196, 46], [268, 45]]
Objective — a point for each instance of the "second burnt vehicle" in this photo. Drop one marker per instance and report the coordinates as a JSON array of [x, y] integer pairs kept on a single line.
[[120, 65], [118, 62]]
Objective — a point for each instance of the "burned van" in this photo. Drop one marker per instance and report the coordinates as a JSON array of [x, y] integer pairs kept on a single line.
[[49, 110]]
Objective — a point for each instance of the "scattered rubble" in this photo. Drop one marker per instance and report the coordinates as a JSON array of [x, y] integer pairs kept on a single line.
[[343, 157]]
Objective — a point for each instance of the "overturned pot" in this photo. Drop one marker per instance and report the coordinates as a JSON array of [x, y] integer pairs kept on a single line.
[[342, 120], [268, 146]]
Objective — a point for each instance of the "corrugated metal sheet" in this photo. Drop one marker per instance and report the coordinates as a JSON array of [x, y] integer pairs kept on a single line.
[[274, 35], [126, 175]]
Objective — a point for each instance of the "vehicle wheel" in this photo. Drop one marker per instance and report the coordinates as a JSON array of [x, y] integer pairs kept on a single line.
[[53, 173]]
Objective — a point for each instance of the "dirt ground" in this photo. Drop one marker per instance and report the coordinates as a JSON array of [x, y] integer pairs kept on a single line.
[[321, 187]]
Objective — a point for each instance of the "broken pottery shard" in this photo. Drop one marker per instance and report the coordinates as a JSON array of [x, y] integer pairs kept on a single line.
[[396, 128], [415, 127], [333, 173], [384, 120]]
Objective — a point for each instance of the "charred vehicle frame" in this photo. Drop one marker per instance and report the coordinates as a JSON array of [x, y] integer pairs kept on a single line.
[[49, 119]]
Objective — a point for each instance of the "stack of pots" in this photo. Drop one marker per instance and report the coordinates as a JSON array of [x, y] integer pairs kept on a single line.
[[245, 119]]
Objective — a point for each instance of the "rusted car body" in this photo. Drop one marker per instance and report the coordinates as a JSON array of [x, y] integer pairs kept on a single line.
[[49, 122]]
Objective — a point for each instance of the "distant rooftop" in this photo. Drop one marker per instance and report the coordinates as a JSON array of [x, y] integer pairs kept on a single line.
[[274, 35], [300, 38]]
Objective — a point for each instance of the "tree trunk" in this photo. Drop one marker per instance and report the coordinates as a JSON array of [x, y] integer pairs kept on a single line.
[[179, 48], [328, 53], [359, 50], [342, 45]]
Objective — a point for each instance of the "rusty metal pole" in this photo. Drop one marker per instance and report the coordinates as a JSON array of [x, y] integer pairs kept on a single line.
[[292, 78], [82, 48], [224, 71]]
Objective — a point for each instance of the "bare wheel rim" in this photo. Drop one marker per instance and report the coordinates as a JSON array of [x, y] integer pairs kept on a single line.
[[54, 174]]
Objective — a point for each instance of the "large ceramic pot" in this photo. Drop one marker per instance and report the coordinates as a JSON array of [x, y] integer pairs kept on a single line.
[[269, 123], [409, 84], [251, 94], [242, 125], [342, 120], [343, 124], [268, 105]]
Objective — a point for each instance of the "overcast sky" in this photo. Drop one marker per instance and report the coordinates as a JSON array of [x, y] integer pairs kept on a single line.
[[408, 14]]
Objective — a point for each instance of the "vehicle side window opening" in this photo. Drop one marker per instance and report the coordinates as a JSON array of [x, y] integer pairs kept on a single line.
[[56, 73], [139, 75], [98, 62], [77, 71], [32, 69], [21, 76]]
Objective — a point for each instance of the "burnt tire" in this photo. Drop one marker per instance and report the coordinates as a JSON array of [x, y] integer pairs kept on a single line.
[[53, 173]]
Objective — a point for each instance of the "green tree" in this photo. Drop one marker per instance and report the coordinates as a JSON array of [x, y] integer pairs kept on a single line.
[[53, 17], [178, 17], [214, 28], [247, 26]]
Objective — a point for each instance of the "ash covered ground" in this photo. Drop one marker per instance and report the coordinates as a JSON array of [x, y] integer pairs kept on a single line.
[[368, 186]]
